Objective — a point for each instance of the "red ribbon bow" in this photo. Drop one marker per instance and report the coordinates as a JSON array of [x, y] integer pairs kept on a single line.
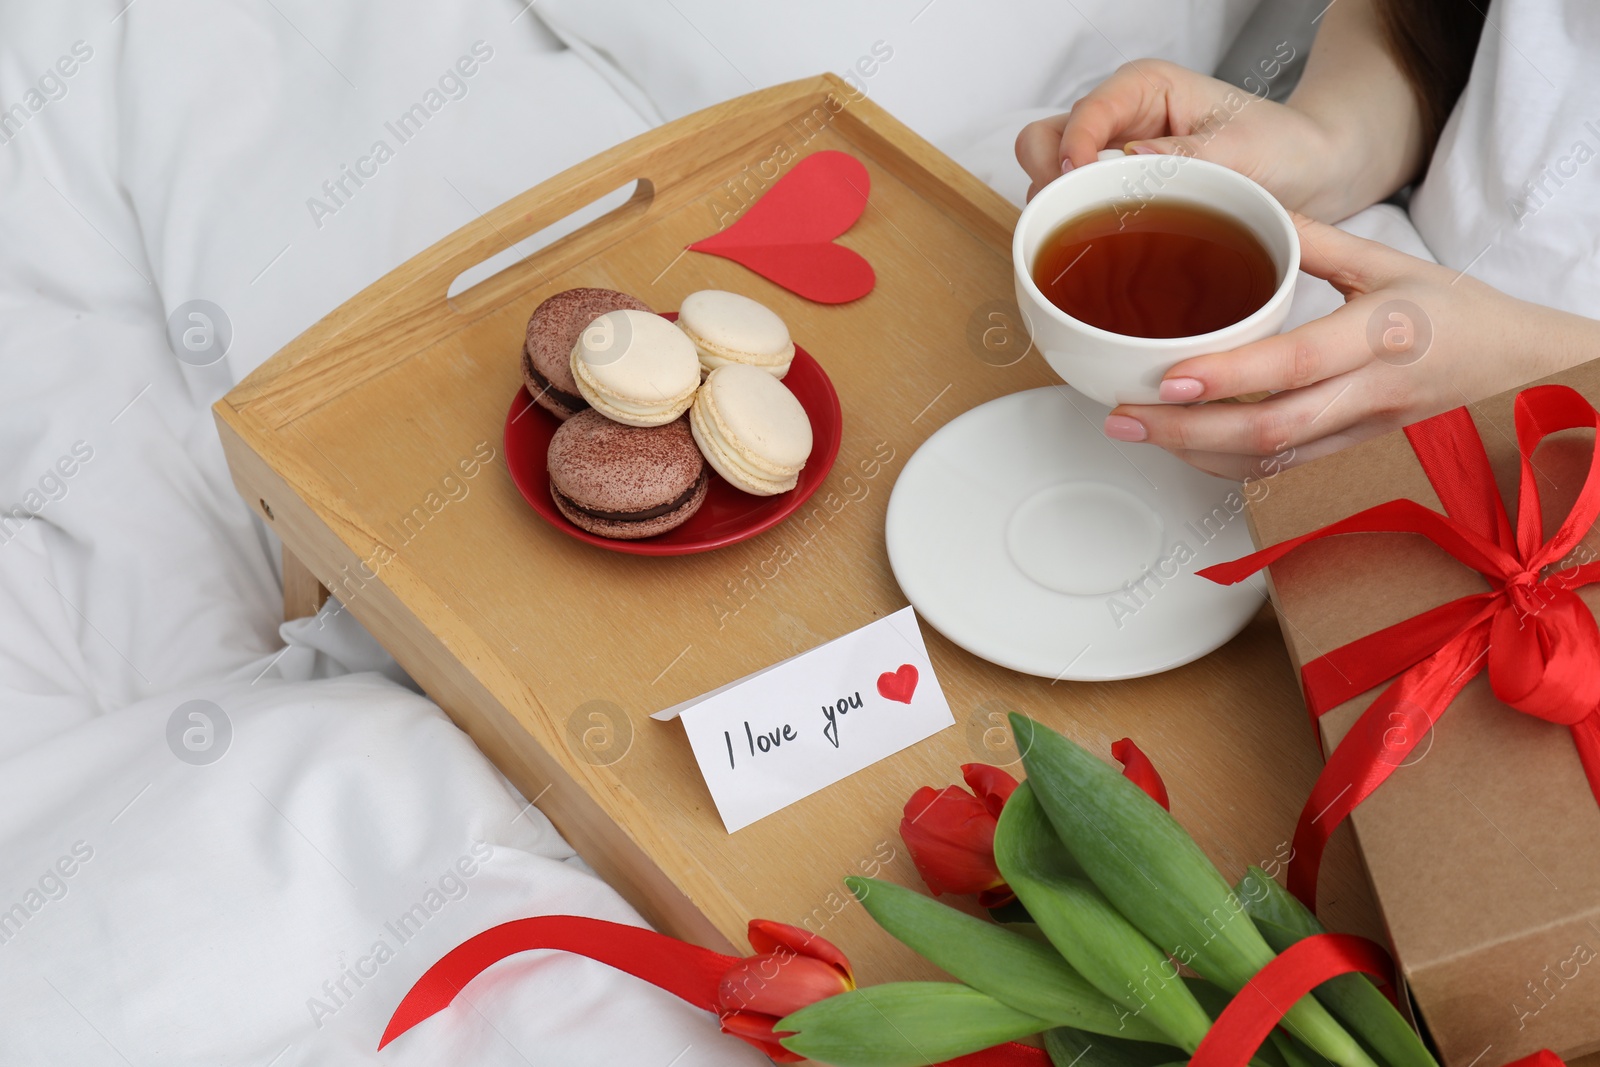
[[1537, 639]]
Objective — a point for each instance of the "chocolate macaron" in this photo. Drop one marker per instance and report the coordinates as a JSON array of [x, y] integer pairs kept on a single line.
[[625, 482], [553, 330]]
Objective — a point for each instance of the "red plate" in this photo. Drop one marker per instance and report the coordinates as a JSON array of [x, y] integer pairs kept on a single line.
[[727, 516]]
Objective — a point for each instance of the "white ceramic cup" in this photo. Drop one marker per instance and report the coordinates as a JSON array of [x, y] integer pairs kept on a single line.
[[1114, 368]]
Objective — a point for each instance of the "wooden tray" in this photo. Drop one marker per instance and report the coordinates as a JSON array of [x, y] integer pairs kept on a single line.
[[551, 653]]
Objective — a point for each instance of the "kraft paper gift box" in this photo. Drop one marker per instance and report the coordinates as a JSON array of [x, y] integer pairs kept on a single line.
[[1483, 847]]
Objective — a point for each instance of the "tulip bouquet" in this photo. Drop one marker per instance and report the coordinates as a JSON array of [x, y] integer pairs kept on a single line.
[[1129, 946], [1112, 936]]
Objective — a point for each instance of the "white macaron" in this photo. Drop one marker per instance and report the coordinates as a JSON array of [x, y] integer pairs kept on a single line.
[[727, 328], [635, 368], [751, 429]]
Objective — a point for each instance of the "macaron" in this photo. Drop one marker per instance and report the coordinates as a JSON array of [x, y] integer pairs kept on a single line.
[[625, 482], [553, 329], [751, 429], [728, 328], [635, 368]]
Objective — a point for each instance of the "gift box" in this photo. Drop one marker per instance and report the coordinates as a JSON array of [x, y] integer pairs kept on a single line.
[[1483, 843]]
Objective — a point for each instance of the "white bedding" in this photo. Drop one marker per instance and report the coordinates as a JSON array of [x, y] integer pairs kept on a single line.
[[183, 158]]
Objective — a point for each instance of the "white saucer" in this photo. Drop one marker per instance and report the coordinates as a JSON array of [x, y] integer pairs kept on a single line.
[[1024, 535]]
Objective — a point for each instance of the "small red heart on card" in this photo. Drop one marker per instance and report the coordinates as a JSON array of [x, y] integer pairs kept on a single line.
[[898, 685], [787, 235]]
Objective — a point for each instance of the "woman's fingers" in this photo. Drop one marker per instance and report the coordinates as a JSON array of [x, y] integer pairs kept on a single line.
[[1136, 103], [1256, 468], [1130, 104], [1039, 151], [1127, 104], [1225, 464], [1288, 420], [1351, 264], [1321, 349]]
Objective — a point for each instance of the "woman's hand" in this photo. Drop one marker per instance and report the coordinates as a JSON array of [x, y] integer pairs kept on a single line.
[[1412, 339], [1153, 106], [1348, 137]]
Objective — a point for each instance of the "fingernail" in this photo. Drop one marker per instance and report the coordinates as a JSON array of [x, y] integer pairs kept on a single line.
[[1066, 165], [1178, 390], [1143, 150], [1122, 428]]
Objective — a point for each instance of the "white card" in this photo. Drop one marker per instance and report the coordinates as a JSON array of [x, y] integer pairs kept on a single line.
[[785, 732]]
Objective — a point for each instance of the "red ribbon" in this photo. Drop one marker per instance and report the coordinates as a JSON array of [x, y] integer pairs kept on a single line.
[[687, 971], [1250, 1016], [684, 970], [1536, 638]]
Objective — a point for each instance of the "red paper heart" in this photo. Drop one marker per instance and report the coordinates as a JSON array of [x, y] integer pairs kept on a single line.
[[787, 235], [898, 685]]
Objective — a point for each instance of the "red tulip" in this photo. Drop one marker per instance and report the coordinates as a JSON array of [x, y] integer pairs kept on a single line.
[[791, 969], [950, 834], [1137, 768]]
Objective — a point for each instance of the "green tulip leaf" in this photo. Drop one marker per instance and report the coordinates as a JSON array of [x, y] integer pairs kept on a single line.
[[1150, 868], [903, 1024], [1075, 1048], [1352, 998], [1026, 974], [1095, 939]]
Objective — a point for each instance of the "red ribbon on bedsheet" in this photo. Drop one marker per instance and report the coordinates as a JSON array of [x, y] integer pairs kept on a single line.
[[687, 971], [1536, 638]]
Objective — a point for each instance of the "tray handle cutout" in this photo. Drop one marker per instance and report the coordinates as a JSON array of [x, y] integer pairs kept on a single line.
[[513, 265]]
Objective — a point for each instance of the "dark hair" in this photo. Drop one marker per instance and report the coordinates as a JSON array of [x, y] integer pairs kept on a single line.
[[1434, 42]]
